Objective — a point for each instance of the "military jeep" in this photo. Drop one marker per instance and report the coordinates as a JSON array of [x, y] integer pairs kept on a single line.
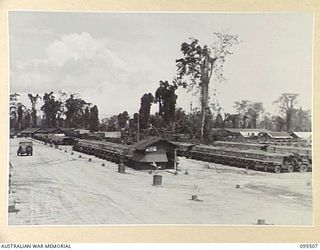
[[25, 148]]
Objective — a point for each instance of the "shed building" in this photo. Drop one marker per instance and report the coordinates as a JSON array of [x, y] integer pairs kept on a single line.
[[54, 131], [305, 136], [154, 150], [237, 133], [184, 148], [277, 136], [68, 131], [30, 132], [110, 134]]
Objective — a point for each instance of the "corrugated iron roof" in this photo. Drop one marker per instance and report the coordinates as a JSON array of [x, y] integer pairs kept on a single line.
[[279, 135], [150, 158], [30, 130], [303, 135], [67, 129], [141, 145], [50, 130], [186, 144], [244, 130]]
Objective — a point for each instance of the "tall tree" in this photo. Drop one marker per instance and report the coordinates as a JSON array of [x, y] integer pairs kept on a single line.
[[218, 123], [75, 108], [183, 124], [266, 122], [27, 118], [111, 123], [94, 118], [286, 103], [232, 121], [254, 111], [46, 107], [200, 62], [86, 117], [208, 125], [13, 109], [157, 122], [144, 112], [301, 120], [20, 112], [63, 96], [167, 99], [279, 123], [34, 99], [123, 119], [242, 108], [250, 112], [51, 108]]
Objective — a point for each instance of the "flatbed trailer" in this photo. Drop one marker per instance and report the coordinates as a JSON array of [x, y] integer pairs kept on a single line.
[[251, 159], [305, 152], [106, 150]]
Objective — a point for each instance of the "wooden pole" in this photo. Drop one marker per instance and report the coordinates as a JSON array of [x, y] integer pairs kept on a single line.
[[175, 160]]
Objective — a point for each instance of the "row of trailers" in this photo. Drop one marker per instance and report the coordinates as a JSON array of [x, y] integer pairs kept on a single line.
[[145, 153], [261, 157], [56, 139], [152, 153]]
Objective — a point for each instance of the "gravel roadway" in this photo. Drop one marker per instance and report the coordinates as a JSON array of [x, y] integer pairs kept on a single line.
[[53, 187]]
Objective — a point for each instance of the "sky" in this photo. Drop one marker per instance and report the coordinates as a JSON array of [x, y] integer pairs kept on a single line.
[[112, 59]]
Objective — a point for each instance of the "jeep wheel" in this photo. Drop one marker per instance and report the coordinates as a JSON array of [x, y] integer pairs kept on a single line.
[[277, 169], [290, 168], [303, 168]]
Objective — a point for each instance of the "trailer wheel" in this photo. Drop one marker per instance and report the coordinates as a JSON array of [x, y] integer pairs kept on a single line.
[[290, 168], [303, 168], [277, 169]]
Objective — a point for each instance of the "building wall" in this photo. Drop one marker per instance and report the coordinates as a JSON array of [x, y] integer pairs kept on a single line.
[[163, 149]]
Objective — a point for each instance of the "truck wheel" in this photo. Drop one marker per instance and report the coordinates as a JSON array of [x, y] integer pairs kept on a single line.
[[290, 169], [277, 169], [303, 168]]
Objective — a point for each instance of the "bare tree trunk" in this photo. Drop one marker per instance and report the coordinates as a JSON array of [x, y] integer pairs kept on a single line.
[[204, 104], [34, 119], [19, 125], [204, 93], [289, 115]]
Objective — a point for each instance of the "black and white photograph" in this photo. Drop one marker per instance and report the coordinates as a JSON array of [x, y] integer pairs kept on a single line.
[[160, 118]]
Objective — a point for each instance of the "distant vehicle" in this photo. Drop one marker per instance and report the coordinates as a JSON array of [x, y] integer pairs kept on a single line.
[[25, 147], [12, 134]]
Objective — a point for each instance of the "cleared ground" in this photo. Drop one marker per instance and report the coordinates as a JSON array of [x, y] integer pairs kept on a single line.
[[53, 187]]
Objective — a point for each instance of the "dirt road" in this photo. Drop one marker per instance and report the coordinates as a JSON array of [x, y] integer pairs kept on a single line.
[[53, 187]]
